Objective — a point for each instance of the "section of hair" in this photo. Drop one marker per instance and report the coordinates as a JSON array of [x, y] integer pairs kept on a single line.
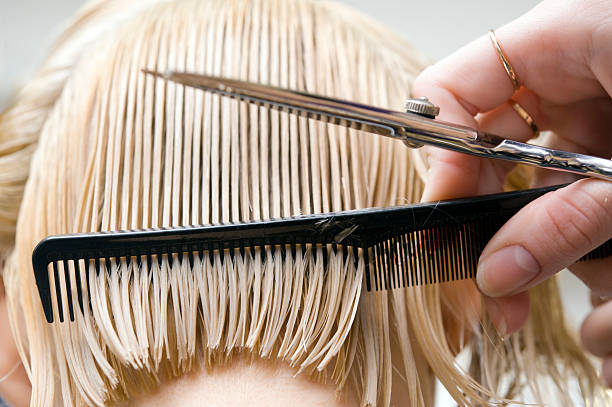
[[121, 150], [118, 149]]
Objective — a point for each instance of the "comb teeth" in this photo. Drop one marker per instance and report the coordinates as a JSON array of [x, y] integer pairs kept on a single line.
[[601, 252], [399, 246], [429, 256]]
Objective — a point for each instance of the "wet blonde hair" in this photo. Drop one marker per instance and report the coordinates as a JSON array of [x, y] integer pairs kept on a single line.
[[104, 147]]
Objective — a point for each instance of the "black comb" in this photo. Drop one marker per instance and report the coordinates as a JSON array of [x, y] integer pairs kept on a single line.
[[401, 246]]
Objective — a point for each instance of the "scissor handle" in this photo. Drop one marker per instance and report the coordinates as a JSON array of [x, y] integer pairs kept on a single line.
[[464, 139], [560, 160]]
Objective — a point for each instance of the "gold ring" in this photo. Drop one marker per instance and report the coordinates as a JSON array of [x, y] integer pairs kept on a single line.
[[524, 115], [516, 83]]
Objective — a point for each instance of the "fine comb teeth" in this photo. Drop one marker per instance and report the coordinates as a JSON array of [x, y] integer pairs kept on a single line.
[[401, 246]]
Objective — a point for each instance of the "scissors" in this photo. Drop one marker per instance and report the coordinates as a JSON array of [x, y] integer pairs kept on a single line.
[[415, 127]]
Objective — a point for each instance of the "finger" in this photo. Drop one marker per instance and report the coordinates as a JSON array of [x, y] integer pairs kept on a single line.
[[455, 175], [597, 275], [596, 330], [584, 126], [546, 47], [505, 121], [545, 177], [508, 314], [546, 236], [606, 370], [451, 175], [597, 300]]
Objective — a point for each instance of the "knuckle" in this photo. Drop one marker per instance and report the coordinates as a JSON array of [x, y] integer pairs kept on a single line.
[[581, 217], [570, 225], [600, 199]]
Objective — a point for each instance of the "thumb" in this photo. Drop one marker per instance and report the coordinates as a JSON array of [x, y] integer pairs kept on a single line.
[[549, 234]]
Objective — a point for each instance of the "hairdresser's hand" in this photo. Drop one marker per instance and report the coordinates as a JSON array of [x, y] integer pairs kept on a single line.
[[562, 52]]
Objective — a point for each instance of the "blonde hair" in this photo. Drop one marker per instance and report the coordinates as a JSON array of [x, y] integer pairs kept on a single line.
[[111, 148]]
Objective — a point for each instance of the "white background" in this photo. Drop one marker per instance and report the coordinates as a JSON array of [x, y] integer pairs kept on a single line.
[[437, 27]]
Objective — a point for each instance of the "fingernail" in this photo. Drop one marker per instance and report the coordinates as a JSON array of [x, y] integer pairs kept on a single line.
[[506, 270], [497, 317]]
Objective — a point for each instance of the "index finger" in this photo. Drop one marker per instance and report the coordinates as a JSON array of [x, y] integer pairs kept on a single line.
[[549, 48], [546, 48], [466, 83]]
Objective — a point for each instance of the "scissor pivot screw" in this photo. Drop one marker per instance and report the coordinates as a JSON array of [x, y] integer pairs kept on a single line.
[[422, 106]]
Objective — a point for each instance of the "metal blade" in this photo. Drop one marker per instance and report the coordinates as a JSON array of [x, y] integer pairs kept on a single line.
[[348, 114]]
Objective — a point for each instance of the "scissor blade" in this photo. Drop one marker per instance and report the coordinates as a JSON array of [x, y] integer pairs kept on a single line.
[[335, 111], [413, 129]]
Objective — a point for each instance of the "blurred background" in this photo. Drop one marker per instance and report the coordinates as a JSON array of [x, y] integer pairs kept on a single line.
[[436, 27]]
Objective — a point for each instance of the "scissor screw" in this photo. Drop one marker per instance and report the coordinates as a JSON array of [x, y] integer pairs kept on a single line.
[[422, 106]]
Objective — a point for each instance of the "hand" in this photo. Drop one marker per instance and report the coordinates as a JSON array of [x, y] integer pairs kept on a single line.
[[562, 53]]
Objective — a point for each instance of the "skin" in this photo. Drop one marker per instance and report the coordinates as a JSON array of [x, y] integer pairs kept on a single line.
[[14, 383], [269, 382], [246, 377], [562, 55], [252, 383]]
